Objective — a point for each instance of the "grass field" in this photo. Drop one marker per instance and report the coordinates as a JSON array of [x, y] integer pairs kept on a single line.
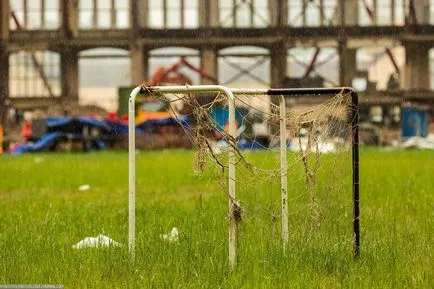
[[42, 214]]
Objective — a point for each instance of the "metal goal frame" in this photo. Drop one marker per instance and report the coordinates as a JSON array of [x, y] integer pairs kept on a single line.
[[280, 93]]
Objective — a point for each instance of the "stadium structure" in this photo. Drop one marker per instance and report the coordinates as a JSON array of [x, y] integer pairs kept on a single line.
[[381, 47]]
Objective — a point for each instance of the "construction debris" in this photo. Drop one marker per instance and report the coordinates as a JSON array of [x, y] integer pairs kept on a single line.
[[417, 142], [84, 188], [173, 236], [97, 242]]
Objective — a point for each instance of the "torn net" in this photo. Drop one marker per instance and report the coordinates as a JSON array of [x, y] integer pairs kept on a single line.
[[318, 139]]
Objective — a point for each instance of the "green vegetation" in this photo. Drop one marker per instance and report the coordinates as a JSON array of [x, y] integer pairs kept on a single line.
[[42, 214]]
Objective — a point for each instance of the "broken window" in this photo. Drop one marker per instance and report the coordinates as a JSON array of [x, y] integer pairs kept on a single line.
[[244, 13], [102, 71], [309, 65], [384, 12], [312, 13], [173, 14], [104, 14], [34, 15], [34, 74], [381, 12], [244, 66]]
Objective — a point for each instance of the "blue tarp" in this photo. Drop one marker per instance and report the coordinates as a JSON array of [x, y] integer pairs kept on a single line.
[[53, 122], [220, 115], [72, 128], [148, 124], [250, 145], [414, 122], [118, 128], [44, 142]]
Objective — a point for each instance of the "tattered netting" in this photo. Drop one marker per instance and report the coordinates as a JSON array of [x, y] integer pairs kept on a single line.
[[318, 159]]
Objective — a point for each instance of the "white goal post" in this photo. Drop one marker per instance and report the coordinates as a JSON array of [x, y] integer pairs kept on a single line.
[[229, 93]]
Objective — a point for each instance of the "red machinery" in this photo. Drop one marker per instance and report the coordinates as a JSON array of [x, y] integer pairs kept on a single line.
[[163, 75]]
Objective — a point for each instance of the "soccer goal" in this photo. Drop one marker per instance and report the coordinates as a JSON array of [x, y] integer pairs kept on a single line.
[[280, 155]]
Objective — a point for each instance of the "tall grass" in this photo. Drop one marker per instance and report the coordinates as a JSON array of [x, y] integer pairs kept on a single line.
[[42, 214]]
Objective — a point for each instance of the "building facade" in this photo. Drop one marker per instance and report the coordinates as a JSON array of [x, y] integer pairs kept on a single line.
[[41, 41]]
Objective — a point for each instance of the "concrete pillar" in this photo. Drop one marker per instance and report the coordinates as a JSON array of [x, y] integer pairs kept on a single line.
[[203, 7], [138, 14], [351, 12], [139, 63], [339, 16], [208, 63], [347, 13], [209, 13], [69, 17], [416, 74], [374, 12], [278, 65], [4, 60], [278, 12], [4, 19], [214, 13], [347, 65], [4, 83], [422, 9], [134, 16], [69, 74]]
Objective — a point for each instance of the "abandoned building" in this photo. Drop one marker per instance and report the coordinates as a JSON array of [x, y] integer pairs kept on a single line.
[[381, 47]]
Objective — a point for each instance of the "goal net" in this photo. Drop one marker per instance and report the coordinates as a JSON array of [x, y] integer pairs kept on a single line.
[[286, 159]]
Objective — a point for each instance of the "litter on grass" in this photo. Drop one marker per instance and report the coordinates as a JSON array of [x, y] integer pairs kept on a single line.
[[173, 236], [38, 160], [97, 242], [84, 188], [417, 142]]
